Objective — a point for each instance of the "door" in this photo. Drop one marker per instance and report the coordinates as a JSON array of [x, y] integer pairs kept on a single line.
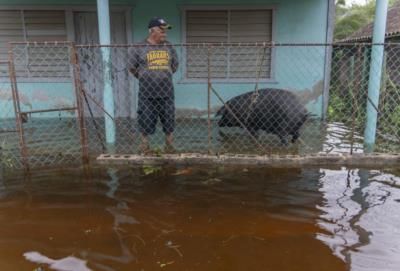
[[87, 32]]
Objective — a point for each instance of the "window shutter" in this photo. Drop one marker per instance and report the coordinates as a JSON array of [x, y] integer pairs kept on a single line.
[[35, 25], [233, 26], [250, 26], [206, 27], [45, 25], [46, 61], [11, 29]]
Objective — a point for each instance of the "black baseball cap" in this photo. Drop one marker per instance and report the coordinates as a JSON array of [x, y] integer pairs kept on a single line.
[[160, 22]]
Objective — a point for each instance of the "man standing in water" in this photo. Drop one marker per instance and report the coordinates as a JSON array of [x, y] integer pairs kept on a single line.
[[152, 62]]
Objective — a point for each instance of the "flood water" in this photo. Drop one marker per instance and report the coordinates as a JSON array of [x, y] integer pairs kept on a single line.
[[201, 218]]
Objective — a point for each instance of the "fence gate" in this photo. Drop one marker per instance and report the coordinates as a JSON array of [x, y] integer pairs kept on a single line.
[[48, 110], [9, 147]]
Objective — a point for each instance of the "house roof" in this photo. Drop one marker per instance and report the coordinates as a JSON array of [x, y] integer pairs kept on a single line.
[[392, 26]]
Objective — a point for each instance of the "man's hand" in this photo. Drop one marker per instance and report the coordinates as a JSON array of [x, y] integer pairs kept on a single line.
[[134, 72]]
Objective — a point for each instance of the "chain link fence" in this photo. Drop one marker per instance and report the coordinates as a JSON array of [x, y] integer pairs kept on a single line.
[[9, 144], [251, 99], [351, 71], [155, 112], [47, 117]]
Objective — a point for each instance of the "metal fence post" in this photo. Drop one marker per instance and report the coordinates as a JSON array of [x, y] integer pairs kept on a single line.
[[375, 74], [103, 13], [209, 98], [79, 103], [17, 109]]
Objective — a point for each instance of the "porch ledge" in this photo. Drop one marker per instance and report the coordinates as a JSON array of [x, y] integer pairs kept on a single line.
[[281, 161]]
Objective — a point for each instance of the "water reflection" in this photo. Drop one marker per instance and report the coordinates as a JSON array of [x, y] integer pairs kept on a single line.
[[120, 216], [203, 218], [339, 139], [360, 214]]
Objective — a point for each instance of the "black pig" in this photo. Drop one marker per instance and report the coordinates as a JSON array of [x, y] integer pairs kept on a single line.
[[275, 111]]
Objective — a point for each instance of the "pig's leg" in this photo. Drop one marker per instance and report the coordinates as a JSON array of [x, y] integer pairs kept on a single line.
[[283, 137], [295, 136]]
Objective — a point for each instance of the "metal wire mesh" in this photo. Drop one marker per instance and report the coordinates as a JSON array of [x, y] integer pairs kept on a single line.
[[9, 151], [202, 98], [352, 68], [146, 105], [46, 104]]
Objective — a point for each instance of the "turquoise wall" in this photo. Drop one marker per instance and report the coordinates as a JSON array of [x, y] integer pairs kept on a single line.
[[296, 69], [296, 21], [38, 96]]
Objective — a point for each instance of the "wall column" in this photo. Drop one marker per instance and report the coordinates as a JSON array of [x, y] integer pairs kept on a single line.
[[103, 15]]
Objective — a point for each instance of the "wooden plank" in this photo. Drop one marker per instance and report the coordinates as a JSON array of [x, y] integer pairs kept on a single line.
[[249, 20], [11, 33], [206, 20], [43, 13], [206, 13], [251, 12], [194, 75], [248, 72], [249, 35], [46, 26], [10, 13], [4, 40], [214, 67], [46, 20], [250, 39], [207, 27], [5, 27], [240, 65], [254, 27], [250, 31], [207, 33], [207, 39], [47, 38], [45, 33], [11, 20]]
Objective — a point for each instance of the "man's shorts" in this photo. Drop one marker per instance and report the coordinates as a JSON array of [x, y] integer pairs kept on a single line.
[[150, 109]]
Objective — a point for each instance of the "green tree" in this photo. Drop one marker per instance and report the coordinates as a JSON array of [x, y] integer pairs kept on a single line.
[[349, 19]]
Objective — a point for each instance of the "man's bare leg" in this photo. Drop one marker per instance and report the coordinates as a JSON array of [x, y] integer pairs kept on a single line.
[[144, 146], [169, 143]]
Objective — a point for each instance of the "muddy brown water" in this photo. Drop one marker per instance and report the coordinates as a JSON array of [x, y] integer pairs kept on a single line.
[[201, 218]]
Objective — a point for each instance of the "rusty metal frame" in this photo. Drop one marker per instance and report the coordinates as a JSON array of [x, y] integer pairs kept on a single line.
[[209, 86], [79, 102], [17, 109], [49, 110]]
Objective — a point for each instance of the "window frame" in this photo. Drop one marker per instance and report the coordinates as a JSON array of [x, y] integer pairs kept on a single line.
[[186, 8], [70, 29]]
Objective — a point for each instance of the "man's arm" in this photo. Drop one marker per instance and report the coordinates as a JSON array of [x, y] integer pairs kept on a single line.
[[134, 71], [174, 60], [133, 62]]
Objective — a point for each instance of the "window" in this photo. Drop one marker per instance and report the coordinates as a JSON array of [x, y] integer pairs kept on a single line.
[[35, 25], [229, 26]]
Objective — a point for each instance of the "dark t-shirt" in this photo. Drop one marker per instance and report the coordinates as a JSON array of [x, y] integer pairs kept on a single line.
[[154, 66]]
